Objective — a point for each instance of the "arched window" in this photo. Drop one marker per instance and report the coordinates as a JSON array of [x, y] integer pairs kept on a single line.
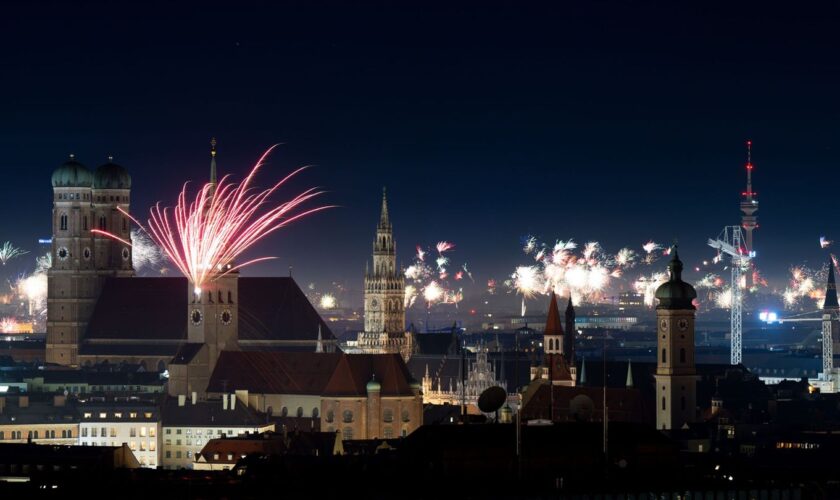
[[388, 415], [284, 412], [682, 403], [63, 222], [663, 402], [347, 416], [682, 355], [300, 411], [230, 297], [269, 411], [406, 416], [220, 296], [315, 412], [84, 223], [125, 224], [663, 355], [330, 416], [347, 434], [102, 225]]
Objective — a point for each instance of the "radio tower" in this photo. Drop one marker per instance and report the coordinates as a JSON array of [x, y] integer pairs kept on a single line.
[[749, 206]]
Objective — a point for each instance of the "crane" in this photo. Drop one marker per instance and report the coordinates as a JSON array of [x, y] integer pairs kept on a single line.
[[729, 241], [827, 343]]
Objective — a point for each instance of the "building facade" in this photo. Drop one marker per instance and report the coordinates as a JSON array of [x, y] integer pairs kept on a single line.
[[676, 374], [384, 325], [114, 423], [84, 201]]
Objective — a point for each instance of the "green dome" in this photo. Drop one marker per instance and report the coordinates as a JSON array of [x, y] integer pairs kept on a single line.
[[373, 386], [675, 293], [111, 176], [72, 174]]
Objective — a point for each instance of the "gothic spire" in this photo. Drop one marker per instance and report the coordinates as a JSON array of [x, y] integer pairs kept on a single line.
[[553, 326], [629, 382], [319, 347], [383, 217], [831, 289], [583, 371]]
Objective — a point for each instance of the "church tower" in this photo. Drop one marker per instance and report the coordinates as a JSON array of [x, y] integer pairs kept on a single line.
[[384, 295], [676, 376], [212, 315], [830, 324], [82, 260]]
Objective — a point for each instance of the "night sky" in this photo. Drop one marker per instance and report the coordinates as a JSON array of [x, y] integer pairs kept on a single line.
[[611, 121]]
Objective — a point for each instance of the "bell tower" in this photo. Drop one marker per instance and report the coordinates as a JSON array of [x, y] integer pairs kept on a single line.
[[676, 375]]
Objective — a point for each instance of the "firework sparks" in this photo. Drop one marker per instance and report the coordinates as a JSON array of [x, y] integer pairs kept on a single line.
[[430, 279], [9, 252], [203, 237], [328, 301], [146, 255], [8, 325], [825, 243]]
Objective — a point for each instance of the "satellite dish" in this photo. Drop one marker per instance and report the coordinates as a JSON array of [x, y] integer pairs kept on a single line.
[[492, 399]]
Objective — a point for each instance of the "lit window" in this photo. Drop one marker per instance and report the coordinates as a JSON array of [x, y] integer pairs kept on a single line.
[[87, 415], [152, 432], [147, 415], [103, 415], [142, 432], [133, 414], [118, 415]]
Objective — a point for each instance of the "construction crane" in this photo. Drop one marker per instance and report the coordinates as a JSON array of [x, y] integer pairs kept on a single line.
[[827, 343], [730, 242]]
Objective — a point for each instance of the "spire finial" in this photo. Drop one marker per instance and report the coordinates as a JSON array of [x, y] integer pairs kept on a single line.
[[110, 158], [72, 156], [749, 193], [383, 216], [675, 266]]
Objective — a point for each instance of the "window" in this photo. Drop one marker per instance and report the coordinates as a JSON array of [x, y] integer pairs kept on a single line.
[[177, 454], [406, 416], [133, 432], [168, 454], [63, 222], [404, 433], [142, 446], [300, 411], [103, 415], [2, 435], [230, 456], [178, 431], [177, 442], [147, 415], [169, 431], [84, 432], [330, 415], [663, 402], [113, 432], [347, 434], [152, 445], [348, 416], [84, 222], [682, 403], [125, 224], [388, 415], [87, 415], [682, 355], [314, 412], [118, 415], [389, 432], [284, 412], [132, 445], [94, 432], [132, 414], [189, 454], [152, 431], [142, 432], [102, 225], [663, 355]]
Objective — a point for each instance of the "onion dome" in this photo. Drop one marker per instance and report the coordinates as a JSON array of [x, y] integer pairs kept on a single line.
[[111, 176], [72, 174], [373, 385], [675, 293]]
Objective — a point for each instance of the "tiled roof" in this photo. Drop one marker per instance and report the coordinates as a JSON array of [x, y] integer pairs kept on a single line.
[[553, 325], [155, 309], [273, 372], [208, 414], [354, 371]]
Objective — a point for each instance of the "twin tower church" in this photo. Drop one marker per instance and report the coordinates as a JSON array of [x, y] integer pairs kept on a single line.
[[99, 311]]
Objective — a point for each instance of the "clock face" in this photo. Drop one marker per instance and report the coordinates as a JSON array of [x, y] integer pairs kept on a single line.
[[226, 317], [125, 253], [682, 324], [663, 325], [195, 317], [63, 253], [86, 253]]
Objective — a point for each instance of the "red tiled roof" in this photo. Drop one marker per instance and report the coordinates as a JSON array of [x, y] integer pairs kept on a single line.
[[553, 325], [273, 372], [354, 371]]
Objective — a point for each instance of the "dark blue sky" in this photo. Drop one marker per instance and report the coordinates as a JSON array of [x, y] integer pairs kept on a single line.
[[614, 121]]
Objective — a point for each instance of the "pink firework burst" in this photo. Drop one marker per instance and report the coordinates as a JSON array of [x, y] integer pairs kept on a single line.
[[203, 236]]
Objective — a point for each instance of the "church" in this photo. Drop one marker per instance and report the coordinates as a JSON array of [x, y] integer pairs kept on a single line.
[[99, 311]]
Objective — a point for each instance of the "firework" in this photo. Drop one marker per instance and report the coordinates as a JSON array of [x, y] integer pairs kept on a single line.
[[430, 278], [8, 325], [203, 237], [146, 255], [9, 252], [328, 301], [803, 284], [824, 243], [647, 285]]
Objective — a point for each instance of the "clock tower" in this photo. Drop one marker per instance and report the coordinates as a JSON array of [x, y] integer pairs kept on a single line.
[[384, 295], [676, 375]]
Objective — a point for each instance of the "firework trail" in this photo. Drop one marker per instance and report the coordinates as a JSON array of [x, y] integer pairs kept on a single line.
[[9, 252], [430, 278], [203, 237]]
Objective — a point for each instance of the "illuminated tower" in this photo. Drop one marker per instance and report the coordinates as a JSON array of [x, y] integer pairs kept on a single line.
[[749, 206], [212, 316], [384, 295], [675, 371], [81, 260], [829, 322]]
